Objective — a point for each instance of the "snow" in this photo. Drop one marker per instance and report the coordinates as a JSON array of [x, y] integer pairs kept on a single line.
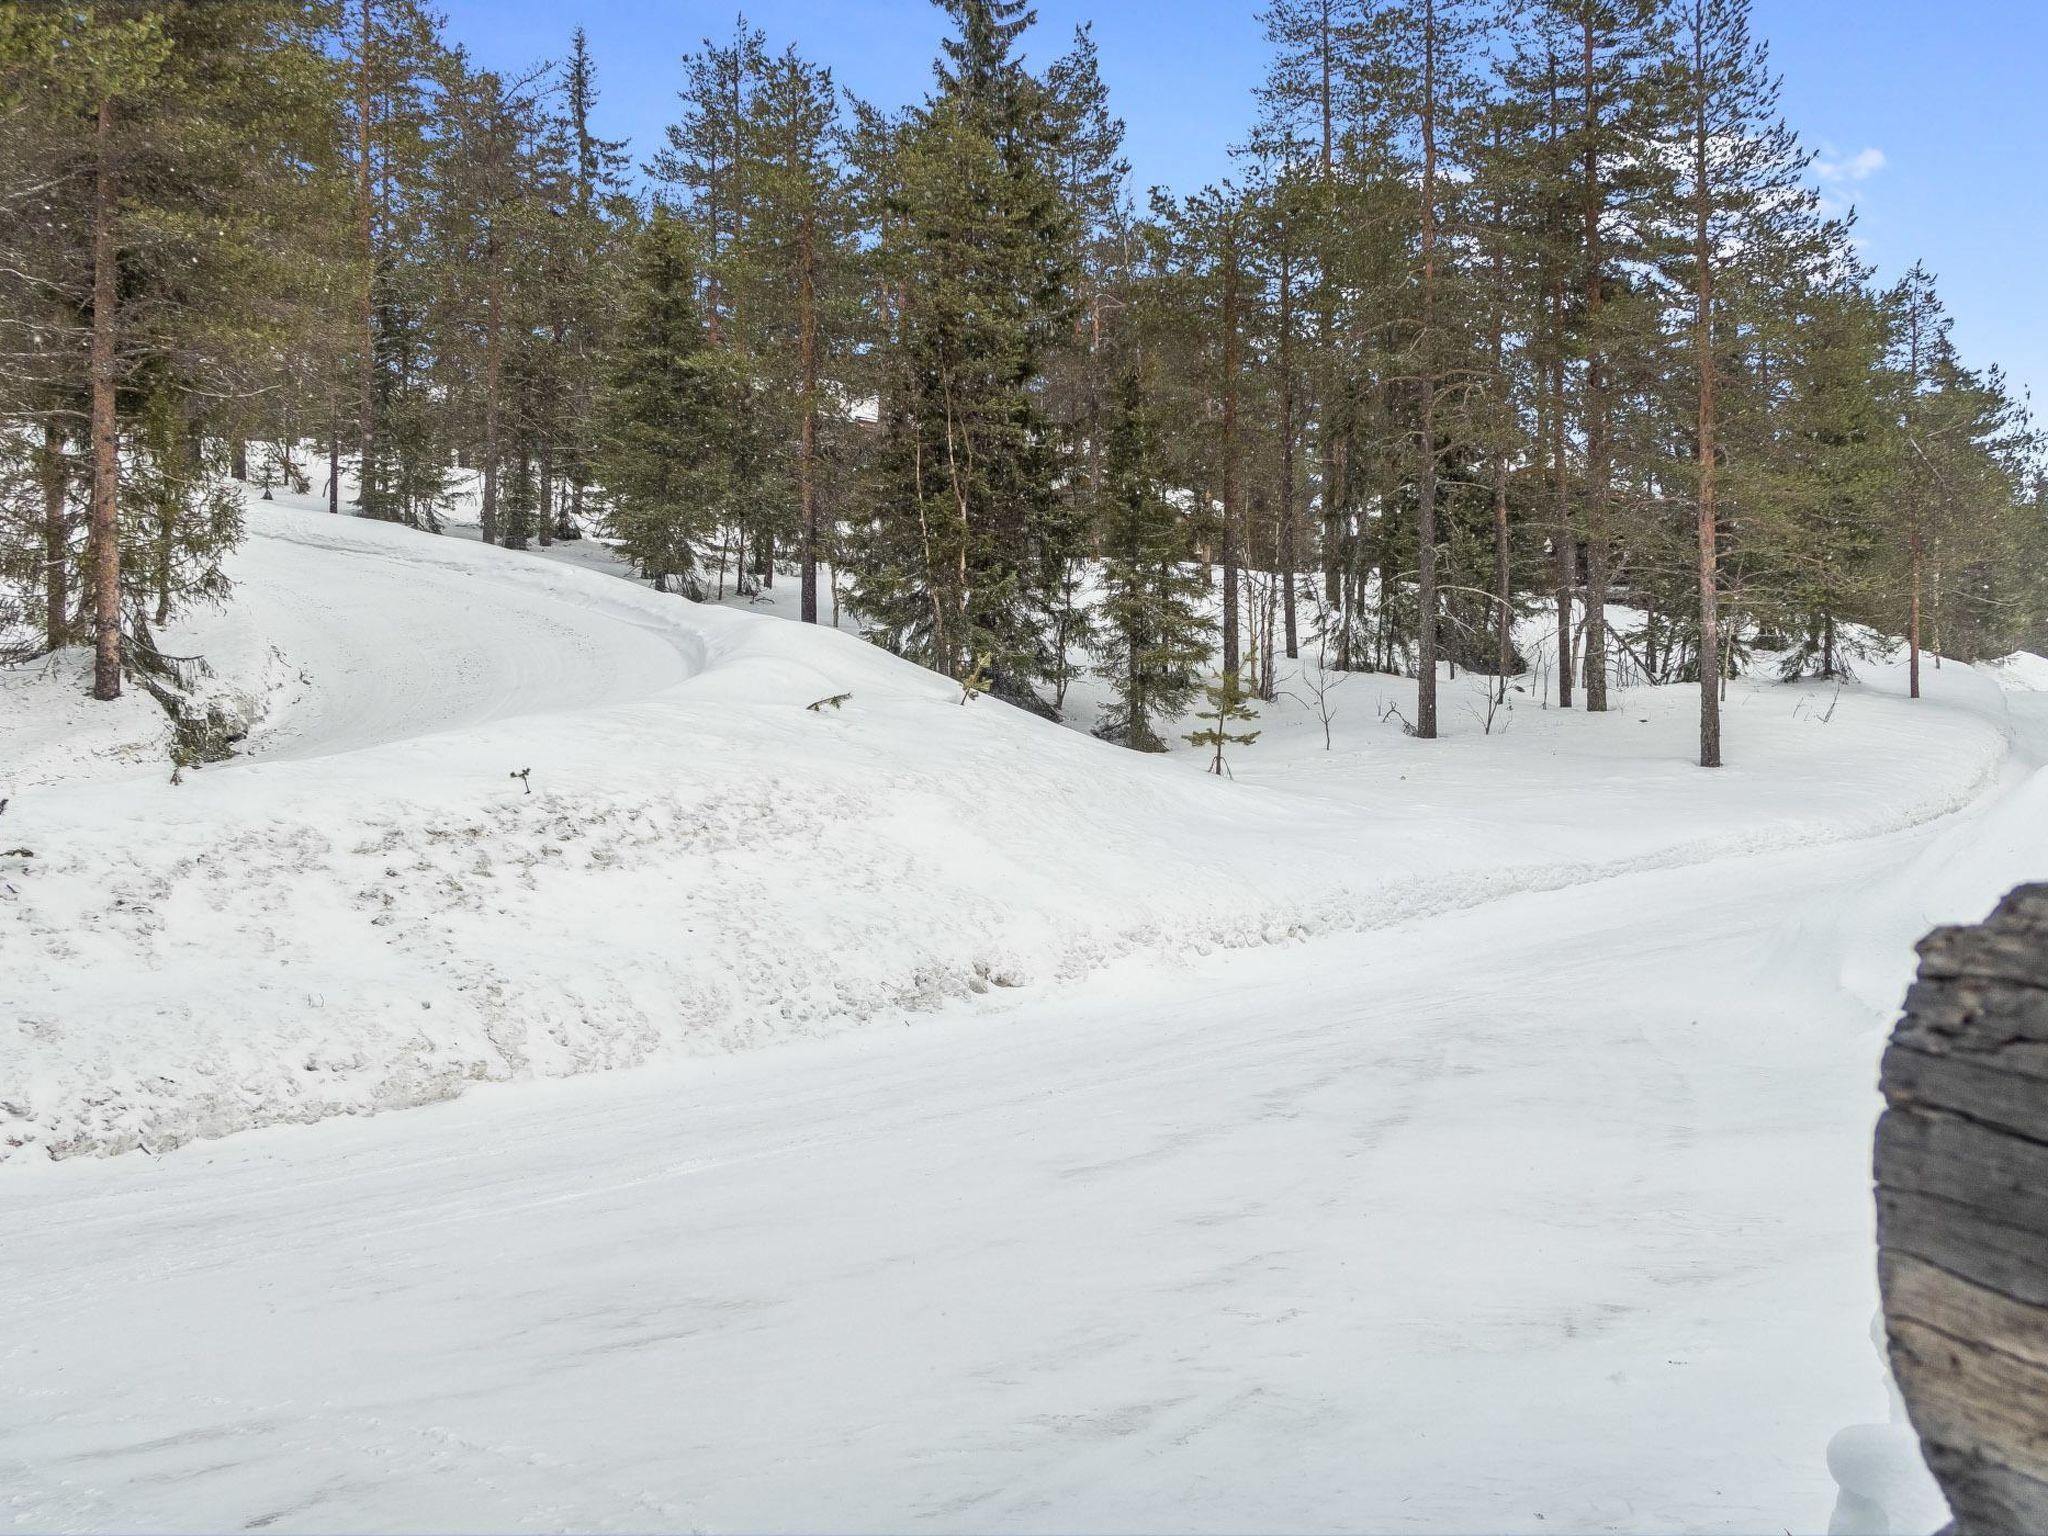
[[1401, 1135], [1539, 1215], [52, 730]]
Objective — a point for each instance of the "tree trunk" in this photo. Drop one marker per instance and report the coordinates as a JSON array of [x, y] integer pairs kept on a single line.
[[807, 439], [366, 253], [493, 368], [106, 460], [1288, 555], [1565, 554], [1230, 486], [1913, 632], [1597, 425], [56, 540], [1425, 512], [546, 514], [1503, 595], [1703, 346]]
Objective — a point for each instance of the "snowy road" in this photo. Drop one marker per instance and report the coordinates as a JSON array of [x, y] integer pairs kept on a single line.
[[1546, 1215]]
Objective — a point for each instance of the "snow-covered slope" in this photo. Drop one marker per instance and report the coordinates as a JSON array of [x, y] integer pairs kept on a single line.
[[1550, 1211], [370, 910]]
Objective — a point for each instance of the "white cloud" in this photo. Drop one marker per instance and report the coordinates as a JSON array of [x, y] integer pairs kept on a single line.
[[1833, 166]]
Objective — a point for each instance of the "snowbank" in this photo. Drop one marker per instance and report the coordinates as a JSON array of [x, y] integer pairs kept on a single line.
[[1961, 874], [373, 910]]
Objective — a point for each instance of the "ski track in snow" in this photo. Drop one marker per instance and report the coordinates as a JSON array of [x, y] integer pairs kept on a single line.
[[1549, 1212]]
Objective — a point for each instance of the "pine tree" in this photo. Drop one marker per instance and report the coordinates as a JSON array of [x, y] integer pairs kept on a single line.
[[489, 202], [1751, 216], [703, 168], [1817, 464], [798, 240], [1595, 66], [1091, 171], [1431, 42], [596, 214], [393, 66], [1216, 259], [1308, 94]]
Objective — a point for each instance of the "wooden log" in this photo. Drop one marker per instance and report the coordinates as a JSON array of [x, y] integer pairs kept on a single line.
[[1962, 1199]]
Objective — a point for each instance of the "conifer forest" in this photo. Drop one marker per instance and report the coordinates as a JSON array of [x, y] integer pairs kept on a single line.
[[837, 819]]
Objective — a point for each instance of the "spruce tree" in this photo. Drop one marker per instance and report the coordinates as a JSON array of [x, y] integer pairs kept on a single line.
[[964, 529], [1154, 636], [676, 444], [1228, 705]]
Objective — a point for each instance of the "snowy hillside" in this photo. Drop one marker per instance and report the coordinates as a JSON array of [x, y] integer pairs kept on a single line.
[[369, 909], [1559, 1181]]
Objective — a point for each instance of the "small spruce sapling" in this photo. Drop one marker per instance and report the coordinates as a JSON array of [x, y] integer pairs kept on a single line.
[[1228, 704]]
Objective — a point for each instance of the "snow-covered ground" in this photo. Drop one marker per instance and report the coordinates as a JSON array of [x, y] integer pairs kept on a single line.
[[1404, 1135]]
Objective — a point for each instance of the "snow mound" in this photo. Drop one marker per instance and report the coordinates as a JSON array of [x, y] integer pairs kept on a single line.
[[507, 817], [2021, 672]]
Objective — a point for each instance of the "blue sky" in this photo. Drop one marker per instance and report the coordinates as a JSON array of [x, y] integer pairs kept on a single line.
[[1922, 112]]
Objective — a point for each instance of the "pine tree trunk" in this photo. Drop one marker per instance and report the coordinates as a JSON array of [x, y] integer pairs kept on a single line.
[[1333, 541], [546, 512], [493, 369], [807, 440], [1230, 485], [1288, 554], [1913, 633], [1597, 424], [106, 463], [1425, 512], [1503, 596], [166, 541], [1503, 593], [1333, 568], [366, 253], [334, 470], [1703, 346], [1934, 602], [1566, 555], [56, 540]]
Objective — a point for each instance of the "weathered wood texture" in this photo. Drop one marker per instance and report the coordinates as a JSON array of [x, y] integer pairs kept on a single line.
[[1962, 1213]]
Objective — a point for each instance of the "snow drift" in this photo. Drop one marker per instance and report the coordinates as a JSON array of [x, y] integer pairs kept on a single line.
[[511, 817]]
